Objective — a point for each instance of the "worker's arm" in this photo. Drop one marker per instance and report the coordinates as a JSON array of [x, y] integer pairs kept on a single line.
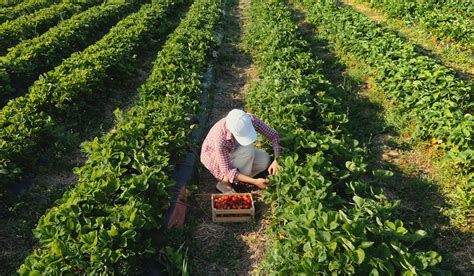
[[232, 174], [223, 159], [271, 135], [268, 133]]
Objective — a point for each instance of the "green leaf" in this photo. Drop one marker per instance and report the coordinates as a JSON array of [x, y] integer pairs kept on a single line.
[[333, 266], [359, 255], [307, 247], [312, 234], [331, 246], [421, 233], [344, 217], [347, 243], [382, 173], [374, 272], [366, 244], [310, 216], [113, 231], [129, 234], [56, 248], [391, 225], [358, 200], [351, 166], [326, 236]]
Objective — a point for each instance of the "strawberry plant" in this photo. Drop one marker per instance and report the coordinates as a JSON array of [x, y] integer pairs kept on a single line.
[[425, 91], [9, 3], [27, 60], [326, 218], [107, 223], [40, 123], [31, 25], [427, 94], [26, 7], [447, 20]]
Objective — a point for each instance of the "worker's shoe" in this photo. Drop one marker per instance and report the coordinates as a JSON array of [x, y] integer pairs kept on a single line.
[[225, 187]]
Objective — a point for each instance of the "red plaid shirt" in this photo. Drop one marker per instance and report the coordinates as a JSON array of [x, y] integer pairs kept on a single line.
[[219, 143]]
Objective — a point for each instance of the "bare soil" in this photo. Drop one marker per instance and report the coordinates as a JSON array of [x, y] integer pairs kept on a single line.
[[226, 248]]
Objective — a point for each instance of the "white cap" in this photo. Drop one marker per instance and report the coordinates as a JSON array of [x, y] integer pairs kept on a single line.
[[239, 124]]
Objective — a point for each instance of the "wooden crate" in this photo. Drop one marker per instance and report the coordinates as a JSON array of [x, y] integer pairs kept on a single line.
[[228, 215]]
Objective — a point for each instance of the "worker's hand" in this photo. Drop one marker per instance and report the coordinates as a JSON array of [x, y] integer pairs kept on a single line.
[[273, 169], [262, 183]]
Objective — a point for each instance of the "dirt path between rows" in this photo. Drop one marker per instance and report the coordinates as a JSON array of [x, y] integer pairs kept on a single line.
[[226, 248]]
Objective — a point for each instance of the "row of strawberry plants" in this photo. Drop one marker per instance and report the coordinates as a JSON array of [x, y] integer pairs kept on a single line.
[[449, 21], [26, 7], [41, 123], [425, 91], [106, 224], [9, 3], [325, 218], [34, 24], [27, 60]]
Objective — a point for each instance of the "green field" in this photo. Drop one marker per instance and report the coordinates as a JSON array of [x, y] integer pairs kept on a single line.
[[101, 103]]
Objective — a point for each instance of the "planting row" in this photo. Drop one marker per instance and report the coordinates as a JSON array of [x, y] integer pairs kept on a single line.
[[425, 91], [26, 7], [41, 123], [326, 219], [34, 24], [447, 20], [107, 224], [9, 3], [27, 60]]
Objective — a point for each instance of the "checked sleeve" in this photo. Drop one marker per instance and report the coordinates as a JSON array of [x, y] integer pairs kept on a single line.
[[268, 132]]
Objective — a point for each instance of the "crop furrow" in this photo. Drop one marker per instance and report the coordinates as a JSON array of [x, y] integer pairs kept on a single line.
[[31, 25], [26, 7], [27, 60], [447, 20], [425, 91], [9, 3], [40, 124], [105, 224]]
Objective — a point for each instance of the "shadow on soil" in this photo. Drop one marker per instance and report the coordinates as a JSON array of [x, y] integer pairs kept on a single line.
[[222, 248], [421, 200], [216, 248]]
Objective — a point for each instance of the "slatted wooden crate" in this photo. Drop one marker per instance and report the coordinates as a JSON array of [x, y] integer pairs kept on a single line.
[[232, 215]]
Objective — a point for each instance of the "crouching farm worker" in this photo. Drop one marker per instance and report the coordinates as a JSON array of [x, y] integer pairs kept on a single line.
[[228, 151]]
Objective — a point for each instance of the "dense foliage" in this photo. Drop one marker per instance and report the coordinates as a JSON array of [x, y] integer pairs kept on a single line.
[[428, 96], [426, 92], [9, 3], [105, 225], [26, 7], [40, 123], [326, 219], [34, 24], [449, 20], [27, 60]]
